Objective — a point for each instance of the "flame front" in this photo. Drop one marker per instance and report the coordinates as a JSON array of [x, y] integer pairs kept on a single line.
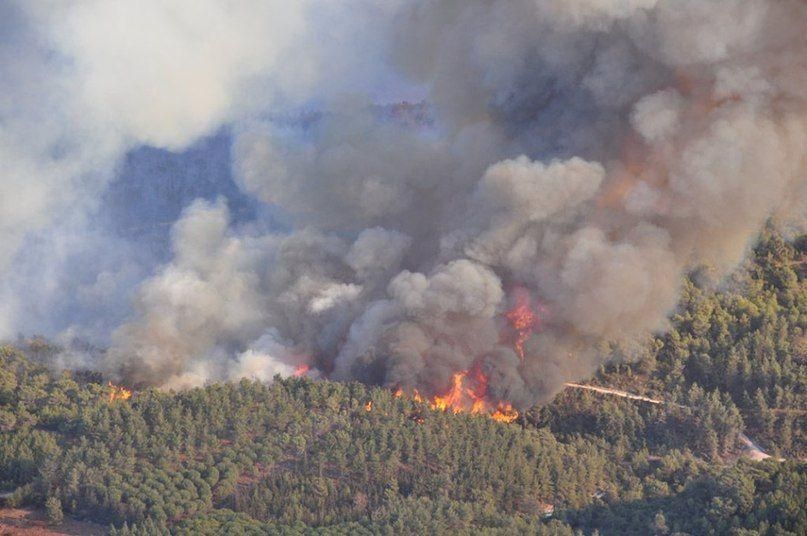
[[467, 396], [118, 392], [504, 413], [454, 399], [468, 390]]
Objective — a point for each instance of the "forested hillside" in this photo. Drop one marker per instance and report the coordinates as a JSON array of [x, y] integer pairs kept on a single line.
[[738, 351], [301, 457]]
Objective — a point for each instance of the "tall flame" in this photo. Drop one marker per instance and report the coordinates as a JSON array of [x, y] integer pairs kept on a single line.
[[468, 390], [453, 399], [467, 394], [523, 319]]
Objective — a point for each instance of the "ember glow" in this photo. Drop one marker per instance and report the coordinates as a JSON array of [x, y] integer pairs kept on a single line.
[[118, 392]]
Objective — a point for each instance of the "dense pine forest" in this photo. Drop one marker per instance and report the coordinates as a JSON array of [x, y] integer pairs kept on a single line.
[[318, 457]]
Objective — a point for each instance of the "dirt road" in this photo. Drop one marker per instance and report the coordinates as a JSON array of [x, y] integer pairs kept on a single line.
[[751, 450]]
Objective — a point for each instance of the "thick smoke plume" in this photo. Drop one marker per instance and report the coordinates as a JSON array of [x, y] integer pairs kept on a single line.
[[82, 82], [587, 153]]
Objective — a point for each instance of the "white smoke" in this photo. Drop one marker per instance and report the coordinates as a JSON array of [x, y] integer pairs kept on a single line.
[[85, 81]]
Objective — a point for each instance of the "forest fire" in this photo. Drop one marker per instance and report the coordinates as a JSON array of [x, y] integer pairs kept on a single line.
[[118, 392], [301, 370], [504, 413], [523, 320], [454, 398], [468, 390], [467, 396]]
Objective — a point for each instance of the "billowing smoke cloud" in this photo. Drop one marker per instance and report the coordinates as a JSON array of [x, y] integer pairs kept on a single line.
[[588, 151], [83, 82]]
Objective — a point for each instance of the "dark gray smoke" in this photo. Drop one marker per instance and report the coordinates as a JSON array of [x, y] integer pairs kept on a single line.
[[588, 151]]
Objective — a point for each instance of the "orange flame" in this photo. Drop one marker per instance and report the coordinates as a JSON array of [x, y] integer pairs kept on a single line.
[[118, 392], [468, 389], [368, 406], [523, 319], [467, 394], [504, 413], [454, 398], [301, 370]]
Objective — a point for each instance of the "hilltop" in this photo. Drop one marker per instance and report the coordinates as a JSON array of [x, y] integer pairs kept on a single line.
[[300, 456]]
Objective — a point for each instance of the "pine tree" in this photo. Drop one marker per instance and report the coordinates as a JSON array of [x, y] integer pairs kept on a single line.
[[659, 525], [53, 509]]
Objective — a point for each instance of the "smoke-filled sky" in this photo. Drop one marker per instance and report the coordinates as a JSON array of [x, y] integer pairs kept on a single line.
[[208, 190]]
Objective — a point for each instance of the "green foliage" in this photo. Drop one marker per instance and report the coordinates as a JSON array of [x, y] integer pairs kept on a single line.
[[736, 355], [304, 457], [53, 509]]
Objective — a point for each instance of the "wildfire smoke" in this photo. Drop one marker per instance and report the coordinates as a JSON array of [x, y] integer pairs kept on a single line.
[[573, 157]]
